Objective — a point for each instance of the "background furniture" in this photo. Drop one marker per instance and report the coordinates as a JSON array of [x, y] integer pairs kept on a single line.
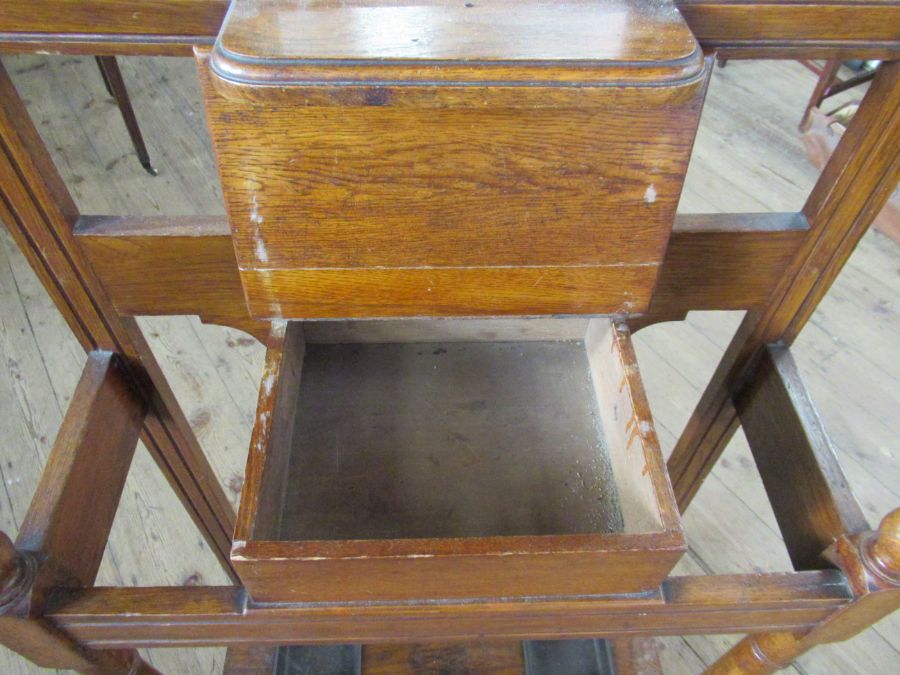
[[824, 216], [115, 85], [830, 84]]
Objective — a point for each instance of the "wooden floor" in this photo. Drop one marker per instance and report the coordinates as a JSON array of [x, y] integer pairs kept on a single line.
[[748, 157]]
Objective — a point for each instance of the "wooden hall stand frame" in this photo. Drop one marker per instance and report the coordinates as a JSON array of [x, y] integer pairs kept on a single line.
[[777, 267]]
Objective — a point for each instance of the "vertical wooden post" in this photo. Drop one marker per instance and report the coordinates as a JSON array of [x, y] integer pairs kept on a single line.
[[872, 564], [39, 213], [854, 186]]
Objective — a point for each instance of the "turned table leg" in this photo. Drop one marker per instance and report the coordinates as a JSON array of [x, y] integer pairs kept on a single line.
[[872, 563]]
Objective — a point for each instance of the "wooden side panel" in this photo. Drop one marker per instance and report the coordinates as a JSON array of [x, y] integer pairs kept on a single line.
[[259, 515], [277, 572], [75, 502], [633, 445], [808, 491]]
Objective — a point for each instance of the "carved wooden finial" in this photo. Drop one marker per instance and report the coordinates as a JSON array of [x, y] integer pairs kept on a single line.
[[17, 574], [9, 564], [884, 549]]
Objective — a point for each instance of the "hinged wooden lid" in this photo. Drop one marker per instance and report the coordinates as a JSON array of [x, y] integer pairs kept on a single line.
[[469, 43]]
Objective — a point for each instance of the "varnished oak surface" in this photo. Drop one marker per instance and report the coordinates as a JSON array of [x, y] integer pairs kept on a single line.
[[151, 265], [200, 18], [416, 471], [743, 28], [504, 41], [728, 604], [749, 159], [523, 201]]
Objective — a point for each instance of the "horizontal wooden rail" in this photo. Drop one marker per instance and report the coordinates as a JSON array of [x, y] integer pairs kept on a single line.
[[791, 29], [738, 28], [161, 27], [186, 265], [196, 616], [723, 261]]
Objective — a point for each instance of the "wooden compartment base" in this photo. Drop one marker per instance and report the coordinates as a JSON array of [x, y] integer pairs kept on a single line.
[[465, 439], [473, 466]]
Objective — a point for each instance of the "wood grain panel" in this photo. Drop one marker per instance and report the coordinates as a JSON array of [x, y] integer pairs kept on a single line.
[[349, 188], [448, 291], [265, 481], [514, 201]]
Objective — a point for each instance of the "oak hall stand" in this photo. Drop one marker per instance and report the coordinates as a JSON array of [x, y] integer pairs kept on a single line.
[[572, 576]]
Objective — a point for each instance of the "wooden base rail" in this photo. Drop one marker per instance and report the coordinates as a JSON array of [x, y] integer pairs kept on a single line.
[[157, 617], [737, 28]]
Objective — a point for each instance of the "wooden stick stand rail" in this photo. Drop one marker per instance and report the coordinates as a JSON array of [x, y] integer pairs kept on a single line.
[[323, 566]]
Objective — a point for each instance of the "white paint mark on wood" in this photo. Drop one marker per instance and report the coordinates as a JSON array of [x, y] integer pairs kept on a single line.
[[262, 253], [269, 383], [650, 194]]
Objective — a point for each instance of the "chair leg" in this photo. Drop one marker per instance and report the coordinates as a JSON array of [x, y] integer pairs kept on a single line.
[[115, 85], [826, 77]]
